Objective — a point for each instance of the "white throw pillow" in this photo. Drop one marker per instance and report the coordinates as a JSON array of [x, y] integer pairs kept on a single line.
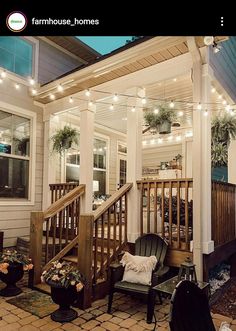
[[138, 269]]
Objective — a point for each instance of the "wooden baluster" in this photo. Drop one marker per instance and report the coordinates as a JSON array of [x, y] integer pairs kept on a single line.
[[186, 215], [35, 249], [148, 208], [114, 231], [52, 193], [54, 223], [108, 236], [67, 223], [155, 207], [95, 252], [178, 214], [141, 208], [60, 230], [47, 242], [170, 212], [120, 222], [102, 246], [163, 209], [126, 213]]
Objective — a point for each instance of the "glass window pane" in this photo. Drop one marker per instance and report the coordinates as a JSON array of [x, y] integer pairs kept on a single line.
[[6, 60], [5, 132], [8, 43], [99, 156], [100, 176], [21, 135], [23, 49], [14, 178], [23, 67]]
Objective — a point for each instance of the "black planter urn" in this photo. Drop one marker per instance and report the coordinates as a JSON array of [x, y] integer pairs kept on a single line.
[[64, 297], [15, 273]]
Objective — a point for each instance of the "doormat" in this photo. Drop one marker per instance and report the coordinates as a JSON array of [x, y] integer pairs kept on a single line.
[[35, 302]]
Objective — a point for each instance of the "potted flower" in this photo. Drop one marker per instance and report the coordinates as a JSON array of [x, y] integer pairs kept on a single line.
[[64, 138], [160, 121], [65, 282], [12, 267]]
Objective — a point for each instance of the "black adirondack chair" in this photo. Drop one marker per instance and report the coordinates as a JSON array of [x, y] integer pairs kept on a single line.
[[146, 245], [189, 309]]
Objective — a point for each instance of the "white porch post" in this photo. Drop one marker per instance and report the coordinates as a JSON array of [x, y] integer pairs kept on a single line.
[[86, 156], [202, 242], [231, 162], [134, 164]]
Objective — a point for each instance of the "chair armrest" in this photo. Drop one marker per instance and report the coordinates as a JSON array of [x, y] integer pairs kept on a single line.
[[116, 272], [158, 274]]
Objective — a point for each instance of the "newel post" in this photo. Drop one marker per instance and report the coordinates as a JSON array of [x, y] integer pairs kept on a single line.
[[85, 251], [36, 237]]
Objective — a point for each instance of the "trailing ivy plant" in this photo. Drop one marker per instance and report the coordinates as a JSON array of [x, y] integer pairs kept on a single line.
[[223, 130], [64, 138]]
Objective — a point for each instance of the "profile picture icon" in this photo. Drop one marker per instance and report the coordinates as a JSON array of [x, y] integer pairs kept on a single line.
[[16, 21]]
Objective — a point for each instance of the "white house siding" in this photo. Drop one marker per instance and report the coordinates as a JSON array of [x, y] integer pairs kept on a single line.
[[53, 62], [14, 219]]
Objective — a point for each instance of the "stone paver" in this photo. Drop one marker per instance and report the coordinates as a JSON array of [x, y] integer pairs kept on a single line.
[[128, 314]]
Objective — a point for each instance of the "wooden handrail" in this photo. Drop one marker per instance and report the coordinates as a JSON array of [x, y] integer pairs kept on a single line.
[[110, 201], [158, 183], [64, 201]]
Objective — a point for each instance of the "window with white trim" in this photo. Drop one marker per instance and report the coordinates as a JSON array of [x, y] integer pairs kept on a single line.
[[16, 55], [14, 156]]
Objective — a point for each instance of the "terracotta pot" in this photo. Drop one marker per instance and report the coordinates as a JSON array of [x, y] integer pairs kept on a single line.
[[64, 297], [15, 273]]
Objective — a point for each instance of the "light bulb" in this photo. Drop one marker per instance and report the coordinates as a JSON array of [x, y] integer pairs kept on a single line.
[[87, 93], [220, 96], [213, 90], [31, 81], [145, 142], [206, 112], [208, 40], [71, 100], [133, 109], [17, 86], [33, 91], [199, 106], [171, 104], [181, 113], [52, 96], [59, 88], [115, 98], [224, 102], [111, 107], [1, 81], [144, 101], [160, 140], [227, 108], [90, 103], [156, 111], [124, 118], [3, 74]]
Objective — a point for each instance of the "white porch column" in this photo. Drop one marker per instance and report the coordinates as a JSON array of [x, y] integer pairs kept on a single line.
[[202, 242], [231, 162], [134, 164], [49, 162], [86, 156]]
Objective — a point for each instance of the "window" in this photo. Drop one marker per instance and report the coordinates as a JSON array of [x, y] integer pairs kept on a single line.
[[14, 155], [16, 55], [99, 165]]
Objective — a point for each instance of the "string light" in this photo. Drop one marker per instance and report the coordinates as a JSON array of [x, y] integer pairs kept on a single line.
[[181, 113], [133, 109], [224, 102], [87, 93], [52, 96], [144, 101], [90, 103], [199, 106], [205, 112], [3, 74], [115, 98], [1, 80], [31, 81], [60, 88], [17, 86], [171, 105], [213, 90], [111, 107], [160, 140], [33, 91], [220, 96], [156, 111], [71, 100]]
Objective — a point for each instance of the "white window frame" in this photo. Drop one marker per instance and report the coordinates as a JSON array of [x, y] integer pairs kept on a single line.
[[35, 64], [15, 110]]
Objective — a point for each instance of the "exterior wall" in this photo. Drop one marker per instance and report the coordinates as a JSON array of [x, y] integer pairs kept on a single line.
[[53, 62], [15, 219], [153, 156], [224, 65]]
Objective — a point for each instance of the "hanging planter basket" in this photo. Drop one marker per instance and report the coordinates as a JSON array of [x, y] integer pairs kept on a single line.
[[165, 127]]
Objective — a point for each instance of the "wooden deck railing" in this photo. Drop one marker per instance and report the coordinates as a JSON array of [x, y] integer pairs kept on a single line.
[[51, 230], [166, 208], [223, 199], [58, 190]]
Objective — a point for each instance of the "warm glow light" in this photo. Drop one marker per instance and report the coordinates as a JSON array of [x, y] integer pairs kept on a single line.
[[160, 140], [111, 107], [1, 81], [180, 113], [71, 100], [199, 106], [220, 96], [156, 111], [206, 112], [145, 142], [227, 108], [115, 98], [52, 96], [224, 102], [171, 104], [90, 103], [174, 79], [144, 101], [33, 91], [31, 81], [133, 109], [59, 88], [87, 93], [124, 118], [17, 86], [213, 90], [3, 74]]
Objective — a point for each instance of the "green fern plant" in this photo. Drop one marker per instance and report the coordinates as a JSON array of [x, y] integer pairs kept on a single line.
[[164, 114], [219, 155], [64, 138]]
